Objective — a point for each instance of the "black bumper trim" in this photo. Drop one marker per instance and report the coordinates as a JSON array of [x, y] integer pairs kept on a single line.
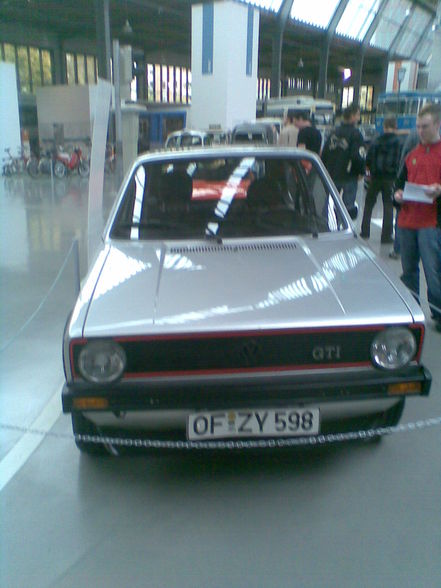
[[186, 395]]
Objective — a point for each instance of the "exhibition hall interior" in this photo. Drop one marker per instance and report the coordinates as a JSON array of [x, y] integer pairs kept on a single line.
[[218, 369]]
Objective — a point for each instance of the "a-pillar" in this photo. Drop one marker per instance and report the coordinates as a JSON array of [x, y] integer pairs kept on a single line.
[[225, 40]]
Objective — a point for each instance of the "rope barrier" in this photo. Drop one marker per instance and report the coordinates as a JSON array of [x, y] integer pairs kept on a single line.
[[73, 247]]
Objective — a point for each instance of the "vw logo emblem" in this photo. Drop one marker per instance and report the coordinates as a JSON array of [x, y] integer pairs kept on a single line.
[[250, 352]]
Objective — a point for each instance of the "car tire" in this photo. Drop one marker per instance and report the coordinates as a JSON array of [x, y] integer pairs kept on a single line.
[[82, 426]]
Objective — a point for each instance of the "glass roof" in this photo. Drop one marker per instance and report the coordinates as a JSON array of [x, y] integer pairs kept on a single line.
[[413, 31], [317, 12], [268, 4], [391, 20], [425, 50], [357, 18]]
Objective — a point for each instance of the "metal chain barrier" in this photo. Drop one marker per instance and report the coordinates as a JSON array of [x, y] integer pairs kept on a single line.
[[235, 444], [73, 248]]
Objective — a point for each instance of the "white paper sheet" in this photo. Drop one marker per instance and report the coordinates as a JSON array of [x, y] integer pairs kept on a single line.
[[416, 193]]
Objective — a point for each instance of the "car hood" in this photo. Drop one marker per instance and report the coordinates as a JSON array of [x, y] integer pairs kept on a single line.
[[155, 288]]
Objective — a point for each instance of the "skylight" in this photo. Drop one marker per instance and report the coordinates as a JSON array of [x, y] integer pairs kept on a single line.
[[357, 18], [317, 13]]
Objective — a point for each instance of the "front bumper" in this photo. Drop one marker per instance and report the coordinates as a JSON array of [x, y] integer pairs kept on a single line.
[[248, 391]]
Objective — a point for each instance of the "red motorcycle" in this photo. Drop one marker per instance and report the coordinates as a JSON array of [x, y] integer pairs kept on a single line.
[[65, 162]]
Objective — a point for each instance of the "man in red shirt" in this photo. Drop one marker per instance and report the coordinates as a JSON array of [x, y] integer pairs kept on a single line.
[[420, 222]]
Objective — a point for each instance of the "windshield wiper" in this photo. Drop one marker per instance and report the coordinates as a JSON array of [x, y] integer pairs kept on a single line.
[[210, 235]]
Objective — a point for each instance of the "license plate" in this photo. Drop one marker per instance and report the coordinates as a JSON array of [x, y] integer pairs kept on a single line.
[[270, 422]]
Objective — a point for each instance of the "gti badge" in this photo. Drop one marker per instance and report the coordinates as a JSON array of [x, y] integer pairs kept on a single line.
[[327, 352]]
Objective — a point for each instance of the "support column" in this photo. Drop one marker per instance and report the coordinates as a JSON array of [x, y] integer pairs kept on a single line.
[[323, 71], [225, 41], [59, 64], [103, 38], [358, 72], [324, 54], [276, 63]]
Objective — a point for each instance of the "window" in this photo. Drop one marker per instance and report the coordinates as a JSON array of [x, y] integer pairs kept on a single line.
[[36, 76], [357, 18], [320, 16], [70, 69], [46, 67], [366, 97], [33, 65], [168, 83], [91, 70], [9, 53], [348, 96], [81, 68], [24, 73]]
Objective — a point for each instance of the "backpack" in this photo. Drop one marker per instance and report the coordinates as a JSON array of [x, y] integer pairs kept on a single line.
[[384, 161]]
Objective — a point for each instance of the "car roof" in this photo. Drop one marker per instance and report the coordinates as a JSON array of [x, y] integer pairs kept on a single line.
[[211, 152]]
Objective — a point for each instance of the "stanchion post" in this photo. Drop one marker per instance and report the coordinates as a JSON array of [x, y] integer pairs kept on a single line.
[[76, 255]]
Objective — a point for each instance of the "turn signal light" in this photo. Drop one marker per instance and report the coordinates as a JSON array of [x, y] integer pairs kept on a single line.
[[404, 388], [91, 403]]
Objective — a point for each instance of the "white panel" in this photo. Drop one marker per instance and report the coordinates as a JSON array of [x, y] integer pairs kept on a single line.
[[9, 117]]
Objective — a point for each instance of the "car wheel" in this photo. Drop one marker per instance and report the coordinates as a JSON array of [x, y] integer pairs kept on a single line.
[[81, 426]]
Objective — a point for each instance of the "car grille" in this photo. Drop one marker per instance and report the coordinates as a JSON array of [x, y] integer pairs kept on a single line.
[[245, 352]]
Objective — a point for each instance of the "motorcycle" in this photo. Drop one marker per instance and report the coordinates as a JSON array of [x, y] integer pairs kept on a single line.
[[63, 162], [10, 164], [110, 159]]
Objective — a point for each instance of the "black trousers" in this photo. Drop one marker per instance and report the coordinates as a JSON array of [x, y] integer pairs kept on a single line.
[[385, 186]]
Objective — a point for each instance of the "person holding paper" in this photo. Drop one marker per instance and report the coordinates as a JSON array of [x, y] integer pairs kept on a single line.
[[420, 221]]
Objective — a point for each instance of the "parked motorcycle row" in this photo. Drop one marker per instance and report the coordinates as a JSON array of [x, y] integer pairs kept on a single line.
[[56, 161]]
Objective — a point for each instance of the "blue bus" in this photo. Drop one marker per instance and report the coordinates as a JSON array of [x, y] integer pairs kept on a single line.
[[404, 106]]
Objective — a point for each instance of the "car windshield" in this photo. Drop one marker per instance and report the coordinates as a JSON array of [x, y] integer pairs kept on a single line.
[[227, 197]]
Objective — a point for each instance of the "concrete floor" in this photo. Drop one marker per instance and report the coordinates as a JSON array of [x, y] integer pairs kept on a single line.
[[355, 515]]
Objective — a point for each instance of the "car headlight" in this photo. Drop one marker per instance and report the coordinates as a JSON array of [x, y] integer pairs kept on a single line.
[[102, 362], [393, 348]]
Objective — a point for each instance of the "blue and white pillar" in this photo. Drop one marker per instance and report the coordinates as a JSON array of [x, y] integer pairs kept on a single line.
[[224, 54]]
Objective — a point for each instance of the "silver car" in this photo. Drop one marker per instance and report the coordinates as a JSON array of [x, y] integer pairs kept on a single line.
[[231, 299]]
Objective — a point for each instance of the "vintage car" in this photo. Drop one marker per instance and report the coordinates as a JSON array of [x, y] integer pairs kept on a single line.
[[232, 299], [188, 138], [255, 132]]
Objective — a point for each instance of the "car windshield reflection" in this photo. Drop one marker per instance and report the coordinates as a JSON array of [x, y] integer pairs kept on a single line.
[[226, 197]]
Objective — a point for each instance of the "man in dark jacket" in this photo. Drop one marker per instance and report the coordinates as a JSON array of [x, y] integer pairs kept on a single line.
[[382, 160], [344, 157]]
